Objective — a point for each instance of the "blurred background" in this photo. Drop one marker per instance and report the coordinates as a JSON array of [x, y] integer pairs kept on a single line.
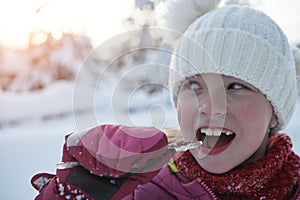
[[45, 45]]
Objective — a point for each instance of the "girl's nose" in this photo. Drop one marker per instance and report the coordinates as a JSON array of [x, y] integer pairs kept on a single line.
[[213, 103]]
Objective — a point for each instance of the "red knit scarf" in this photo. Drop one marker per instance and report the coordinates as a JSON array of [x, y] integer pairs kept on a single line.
[[275, 176]]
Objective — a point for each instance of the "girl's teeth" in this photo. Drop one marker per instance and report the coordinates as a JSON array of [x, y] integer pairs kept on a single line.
[[228, 133], [215, 132], [209, 132]]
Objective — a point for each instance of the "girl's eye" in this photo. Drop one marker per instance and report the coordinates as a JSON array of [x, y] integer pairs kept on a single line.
[[237, 86], [194, 86]]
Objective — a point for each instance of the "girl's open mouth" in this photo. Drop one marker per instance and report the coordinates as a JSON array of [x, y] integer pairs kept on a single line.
[[215, 140]]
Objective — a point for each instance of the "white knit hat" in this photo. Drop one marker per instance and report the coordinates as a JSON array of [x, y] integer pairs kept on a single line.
[[244, 43]]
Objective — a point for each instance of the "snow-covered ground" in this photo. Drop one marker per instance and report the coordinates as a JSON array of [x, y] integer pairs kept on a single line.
[[34, 145]]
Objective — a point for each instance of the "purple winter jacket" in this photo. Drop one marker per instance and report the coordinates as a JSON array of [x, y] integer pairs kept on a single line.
[[166, 185], [172, 185], [169, 185]]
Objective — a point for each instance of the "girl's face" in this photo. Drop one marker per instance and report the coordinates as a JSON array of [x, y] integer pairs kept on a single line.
[[231, 118]]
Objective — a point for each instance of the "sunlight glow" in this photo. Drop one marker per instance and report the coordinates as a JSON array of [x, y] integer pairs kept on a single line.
[[95, 18]]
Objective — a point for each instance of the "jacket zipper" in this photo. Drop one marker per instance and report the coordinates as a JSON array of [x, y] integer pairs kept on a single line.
[[210, 192]]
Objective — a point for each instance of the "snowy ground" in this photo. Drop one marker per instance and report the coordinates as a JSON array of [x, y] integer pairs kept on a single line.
[[35, 145]]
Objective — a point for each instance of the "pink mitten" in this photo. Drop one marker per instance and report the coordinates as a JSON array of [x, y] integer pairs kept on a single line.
[[112, 160]]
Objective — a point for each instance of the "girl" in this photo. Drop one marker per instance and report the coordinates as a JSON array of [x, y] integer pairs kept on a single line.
[[233, 83]]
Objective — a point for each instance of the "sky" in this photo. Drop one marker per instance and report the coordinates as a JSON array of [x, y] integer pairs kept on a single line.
[[97, 19], [101, 19]]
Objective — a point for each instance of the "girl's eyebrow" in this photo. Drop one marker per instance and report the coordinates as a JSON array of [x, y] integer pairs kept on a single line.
[[198, 77]]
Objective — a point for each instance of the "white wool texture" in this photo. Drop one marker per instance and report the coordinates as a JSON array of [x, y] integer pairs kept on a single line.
[[244, 43], [179, 14], [296, 52]]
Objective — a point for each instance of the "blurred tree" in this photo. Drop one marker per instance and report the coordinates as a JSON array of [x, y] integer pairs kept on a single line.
[[48, 60], [137, 54]]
